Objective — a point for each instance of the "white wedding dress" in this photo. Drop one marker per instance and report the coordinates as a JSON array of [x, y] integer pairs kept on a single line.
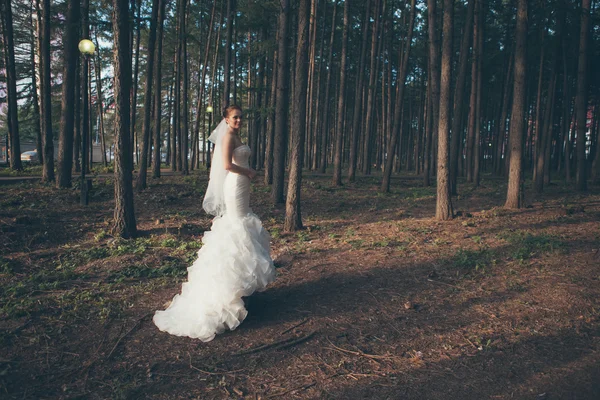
[[233, 262]]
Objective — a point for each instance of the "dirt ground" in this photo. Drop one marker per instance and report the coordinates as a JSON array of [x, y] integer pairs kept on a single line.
[[374, 299]]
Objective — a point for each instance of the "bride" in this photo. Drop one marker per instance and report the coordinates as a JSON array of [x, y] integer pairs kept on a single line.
[[234, 260]]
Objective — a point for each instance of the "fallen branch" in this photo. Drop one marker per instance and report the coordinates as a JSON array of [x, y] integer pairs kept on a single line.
[[358, 353], [278, 344], [295, 326], [128, 332], [211, 373]]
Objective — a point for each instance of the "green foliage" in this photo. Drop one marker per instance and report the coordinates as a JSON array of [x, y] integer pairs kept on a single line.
[[472, 260], [528, 246], [173, 268]]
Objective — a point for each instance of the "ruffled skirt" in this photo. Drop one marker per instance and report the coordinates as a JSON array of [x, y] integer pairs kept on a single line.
[[233, 262]]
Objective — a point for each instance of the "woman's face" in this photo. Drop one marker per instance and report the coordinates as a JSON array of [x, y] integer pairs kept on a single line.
[[234, 119]]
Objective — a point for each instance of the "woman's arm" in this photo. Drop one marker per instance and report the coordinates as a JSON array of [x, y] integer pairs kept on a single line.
[[228, 147]]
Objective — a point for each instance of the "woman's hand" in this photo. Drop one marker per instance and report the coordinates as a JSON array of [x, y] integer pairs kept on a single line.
[[251, 173]]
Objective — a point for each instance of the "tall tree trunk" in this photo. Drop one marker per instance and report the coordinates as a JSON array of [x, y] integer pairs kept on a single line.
[[124, 216], [201, 83], [227, 66], [310, 97], [456, 131], [444, 201], [12, 117], [477, 147], [434, 65], [270, 139], [282, 105], [143, 165], [581, 97], [97, 64], [158, 90], [185, 112], [67, 118], [501, 136], [293, 215], [473, 97], [538, 103], [86, 131], [514, 196], [176, 144], [399, 105], [37, 126], [258, 106], [134, 88], [368, 136], [596, 163], [339, 140], [326, 100], [48, 137], [358, 97]]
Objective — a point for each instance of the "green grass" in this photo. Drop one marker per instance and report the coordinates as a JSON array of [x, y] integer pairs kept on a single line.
[[525, 245], [472, 260]]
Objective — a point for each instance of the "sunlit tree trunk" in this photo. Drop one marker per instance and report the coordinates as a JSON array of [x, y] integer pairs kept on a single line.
[[514, 196], [293, 215], [444, 201], [270, 139], [282, 105]]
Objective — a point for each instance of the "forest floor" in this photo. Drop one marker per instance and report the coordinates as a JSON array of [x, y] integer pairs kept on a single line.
[[375, 299]]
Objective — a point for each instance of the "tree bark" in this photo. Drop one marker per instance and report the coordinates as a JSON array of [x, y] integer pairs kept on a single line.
[[12, 117], [67, 118], [270, 139], [368, 136], [456, 131], [337, 162], [514, 196], [35, 86], [124, 224], [293, 215], [227, 66], [358, 97], [158, 90], [47, 136], [581, 98], [399, 105], [184, 127], [444, 201], [143, 165], [326, 100], [282, 105], [97, 64], [434, 65], [134, 87]]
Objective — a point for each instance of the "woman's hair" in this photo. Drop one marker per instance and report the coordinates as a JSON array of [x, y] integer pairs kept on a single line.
[[229, 109]]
